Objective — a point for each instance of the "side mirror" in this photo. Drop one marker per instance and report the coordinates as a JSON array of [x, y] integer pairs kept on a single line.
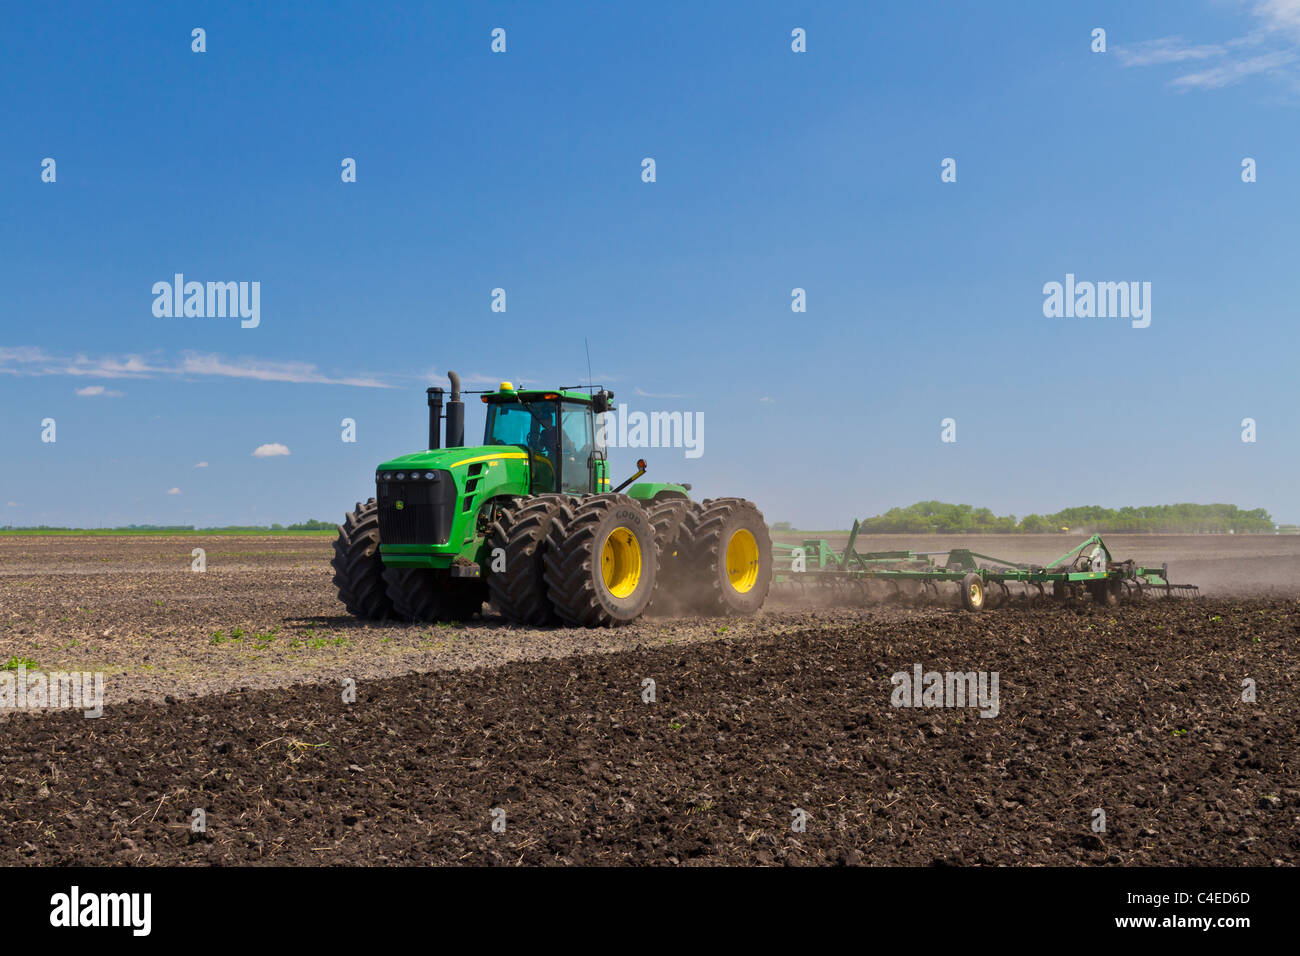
[[600, 402]]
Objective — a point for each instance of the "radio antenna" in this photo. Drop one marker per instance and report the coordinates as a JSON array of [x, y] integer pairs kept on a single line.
[[587, 346]]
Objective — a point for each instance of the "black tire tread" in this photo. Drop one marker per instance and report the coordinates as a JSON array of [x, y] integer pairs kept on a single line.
[[700, 552], [358, 568], [414, 594], [569, 553], [521, 530]]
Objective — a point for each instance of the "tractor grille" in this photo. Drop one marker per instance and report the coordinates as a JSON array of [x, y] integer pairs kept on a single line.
[[416, 512]]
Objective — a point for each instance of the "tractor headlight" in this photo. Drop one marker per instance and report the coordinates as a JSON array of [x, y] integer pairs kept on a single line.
[[430, 475], [400, 475]]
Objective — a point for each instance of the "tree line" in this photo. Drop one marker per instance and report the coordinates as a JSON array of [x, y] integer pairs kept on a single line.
[[940, 517]]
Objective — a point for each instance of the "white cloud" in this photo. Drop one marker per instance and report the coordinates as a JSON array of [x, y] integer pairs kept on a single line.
[[35, 361], [270, 450], [467, 379], [656, 395], [1234, 71], [1270, 49], [1279, 15], [97, 391], [202, 464], [768, 400], [173, 491], [11, 504], [1171, 49], [295, 372]]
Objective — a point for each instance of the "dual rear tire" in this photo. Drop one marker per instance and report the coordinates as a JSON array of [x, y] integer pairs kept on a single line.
[[723, 560], [601, 562], [609, 558]]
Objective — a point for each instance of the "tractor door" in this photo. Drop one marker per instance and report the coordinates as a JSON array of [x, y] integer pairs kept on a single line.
[[577, 449]]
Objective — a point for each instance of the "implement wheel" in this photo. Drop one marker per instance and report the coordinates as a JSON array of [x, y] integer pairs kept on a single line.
[[972, 592], [1106, 592]]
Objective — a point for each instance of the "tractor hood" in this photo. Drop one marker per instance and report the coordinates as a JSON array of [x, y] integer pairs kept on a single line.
[[429, 502], [450, 459]]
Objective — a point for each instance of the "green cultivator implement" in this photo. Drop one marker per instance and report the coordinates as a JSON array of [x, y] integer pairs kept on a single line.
[[812, 569]]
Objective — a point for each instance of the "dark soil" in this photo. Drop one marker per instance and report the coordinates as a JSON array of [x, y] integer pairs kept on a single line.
[[1136, 711]]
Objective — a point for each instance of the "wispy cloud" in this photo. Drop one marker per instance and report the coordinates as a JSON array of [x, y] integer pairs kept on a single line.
[[516, 378], [296, 372], [1282, 16], [97, 391], [173, 491], [1234, 71], [35, 361], [657, 394], [1271, 49], [1166, 50], [271, 450], [202, 464]]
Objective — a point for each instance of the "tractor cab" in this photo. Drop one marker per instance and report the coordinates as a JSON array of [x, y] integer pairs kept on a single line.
[[557, 429]]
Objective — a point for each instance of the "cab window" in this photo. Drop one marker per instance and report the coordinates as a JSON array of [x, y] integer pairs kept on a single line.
[[576, 446], [531, 425]]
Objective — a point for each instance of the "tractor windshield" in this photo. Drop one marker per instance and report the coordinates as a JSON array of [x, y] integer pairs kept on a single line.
[[562, 451], [531, 425]]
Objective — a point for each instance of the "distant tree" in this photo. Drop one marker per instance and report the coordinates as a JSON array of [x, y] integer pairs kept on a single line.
[[313, 524], [942, 518]]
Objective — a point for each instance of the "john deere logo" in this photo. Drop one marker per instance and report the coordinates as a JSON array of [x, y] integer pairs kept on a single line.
[[400, 506]]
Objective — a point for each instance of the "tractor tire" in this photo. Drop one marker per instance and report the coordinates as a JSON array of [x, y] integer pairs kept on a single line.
[[520, 531], [973, 592], [726, 555], [601, 561], [666, 518], [358, 568], [423, 594]]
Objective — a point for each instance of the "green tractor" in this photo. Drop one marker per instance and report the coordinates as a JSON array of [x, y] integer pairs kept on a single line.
[[528, 521]]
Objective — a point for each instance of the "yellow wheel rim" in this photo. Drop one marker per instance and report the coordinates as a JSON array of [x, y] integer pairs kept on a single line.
[[742, 561], [976, 593], [620, 562]]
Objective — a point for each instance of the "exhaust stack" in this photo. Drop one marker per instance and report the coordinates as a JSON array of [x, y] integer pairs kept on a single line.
[[435, 417], [455, 414]]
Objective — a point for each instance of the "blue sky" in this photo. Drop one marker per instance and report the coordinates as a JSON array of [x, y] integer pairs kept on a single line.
[[775, 170]]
